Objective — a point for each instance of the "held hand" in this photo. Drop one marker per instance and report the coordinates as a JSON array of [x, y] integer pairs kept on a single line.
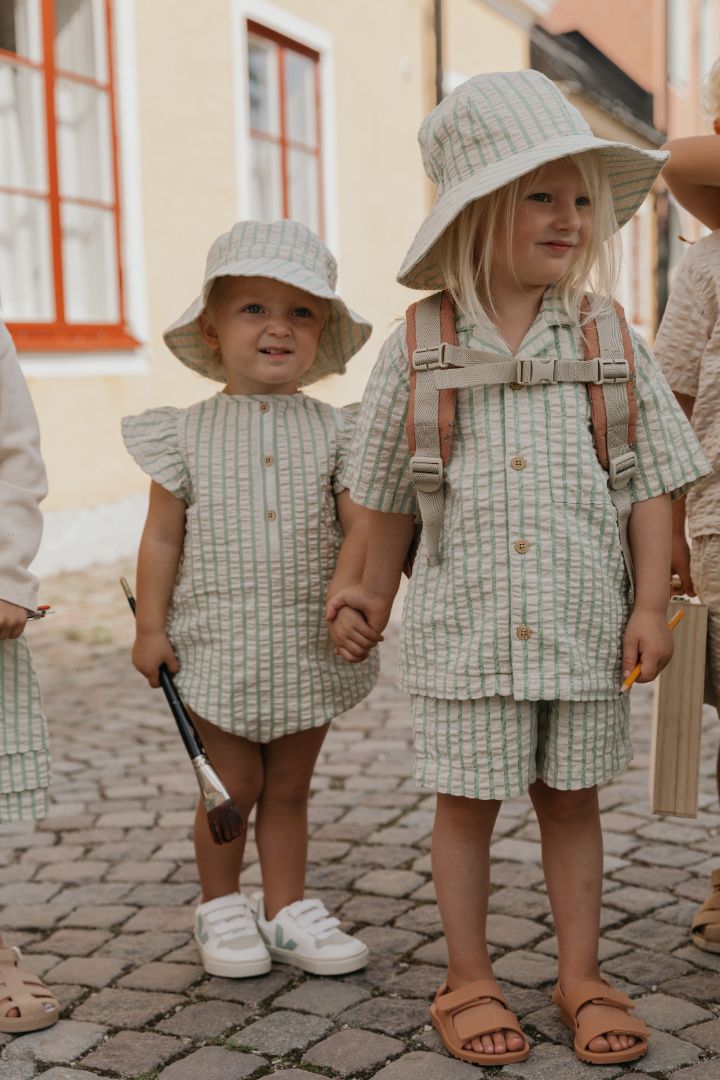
[[149, 652], [376, 609], [351, 635], [647, 642], [680, 562], [12, 620]]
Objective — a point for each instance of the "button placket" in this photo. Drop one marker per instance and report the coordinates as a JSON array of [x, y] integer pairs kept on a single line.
[[521, 502], [271, 493]]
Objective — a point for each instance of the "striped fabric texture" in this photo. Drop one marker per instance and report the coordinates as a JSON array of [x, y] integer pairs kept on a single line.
[[286, 251], [24, 756], [496, 747], [495, 128], [259, 475], [687, 348], [705, 570], [530, 597]]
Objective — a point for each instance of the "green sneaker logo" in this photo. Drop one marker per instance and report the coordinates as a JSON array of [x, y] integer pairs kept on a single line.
[[280, 944], [201, 932]]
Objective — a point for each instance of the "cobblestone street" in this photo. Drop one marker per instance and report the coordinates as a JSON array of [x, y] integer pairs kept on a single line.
[[100, 897]]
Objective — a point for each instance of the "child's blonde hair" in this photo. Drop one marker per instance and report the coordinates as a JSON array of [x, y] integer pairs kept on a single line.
[[469, 277], [711, 92]]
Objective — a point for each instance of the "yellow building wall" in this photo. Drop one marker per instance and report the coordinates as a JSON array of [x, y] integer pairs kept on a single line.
[[384, 83]]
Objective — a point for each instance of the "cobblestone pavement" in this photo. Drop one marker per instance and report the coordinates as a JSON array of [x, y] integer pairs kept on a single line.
[[100, 898]]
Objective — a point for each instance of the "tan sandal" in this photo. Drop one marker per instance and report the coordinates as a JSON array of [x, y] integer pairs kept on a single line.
[[37, 1007], [706, 923], [474, 1010], [610, 1016]]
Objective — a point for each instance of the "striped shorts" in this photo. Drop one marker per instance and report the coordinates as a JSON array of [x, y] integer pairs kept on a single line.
[[24, 752], [494, 748]]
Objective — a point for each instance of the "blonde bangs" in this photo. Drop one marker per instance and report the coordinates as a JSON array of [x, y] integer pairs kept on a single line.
[[466, 249]]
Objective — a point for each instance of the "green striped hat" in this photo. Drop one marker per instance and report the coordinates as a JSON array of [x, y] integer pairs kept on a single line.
[[495, 128], [285, 251]]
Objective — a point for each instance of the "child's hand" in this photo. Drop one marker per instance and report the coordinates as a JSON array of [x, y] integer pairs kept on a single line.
[[12, 620], [150, 651], [351, 635], [647, 641], [376, 609]]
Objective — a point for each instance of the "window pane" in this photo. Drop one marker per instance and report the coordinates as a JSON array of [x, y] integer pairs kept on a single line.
[[300, 98], [25, 263], [20, 27], [265, 181], [23, 162], [263, 83], [304, 190], [80, 38], [89, 264], [84, 141]]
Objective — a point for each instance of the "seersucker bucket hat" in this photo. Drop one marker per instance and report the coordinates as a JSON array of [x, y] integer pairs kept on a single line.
[[286, 251], [495, 128]]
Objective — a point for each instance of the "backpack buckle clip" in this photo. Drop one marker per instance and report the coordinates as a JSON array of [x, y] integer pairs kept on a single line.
[[430, 359], [427, 473], [611, 370], [622, 469], [535, 372]]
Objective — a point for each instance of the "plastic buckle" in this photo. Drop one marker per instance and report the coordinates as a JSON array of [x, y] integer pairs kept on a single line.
[[427, 473], [611, 370], [622, 469], [535, 372], [430, 359]]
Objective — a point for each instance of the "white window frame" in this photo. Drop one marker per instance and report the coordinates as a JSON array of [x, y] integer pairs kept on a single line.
[[320, 41], [51, 365]]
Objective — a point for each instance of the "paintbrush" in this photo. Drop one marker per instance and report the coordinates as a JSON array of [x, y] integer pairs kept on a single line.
[[224, 818]]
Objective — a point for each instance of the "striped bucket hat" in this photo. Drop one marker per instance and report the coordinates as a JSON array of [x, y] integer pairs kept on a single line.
[[495, 128], [286, 251]]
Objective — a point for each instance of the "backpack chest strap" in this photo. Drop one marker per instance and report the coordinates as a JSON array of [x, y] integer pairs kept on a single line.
[[461, 368]]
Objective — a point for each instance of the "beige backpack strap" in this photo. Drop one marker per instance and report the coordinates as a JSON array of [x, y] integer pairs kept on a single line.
[[614, 413], [431, 412]]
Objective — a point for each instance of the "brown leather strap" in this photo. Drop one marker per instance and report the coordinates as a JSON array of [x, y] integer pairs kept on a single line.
[[446, 398], [591, 346]]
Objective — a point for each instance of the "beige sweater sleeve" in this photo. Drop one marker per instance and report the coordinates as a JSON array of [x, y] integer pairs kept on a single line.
[[22, 481]]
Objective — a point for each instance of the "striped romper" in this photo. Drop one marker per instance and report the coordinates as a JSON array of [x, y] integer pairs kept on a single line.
[[512, 646], [259, 475]]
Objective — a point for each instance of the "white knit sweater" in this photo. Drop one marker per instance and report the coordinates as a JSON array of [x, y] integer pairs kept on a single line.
[[23, 483]]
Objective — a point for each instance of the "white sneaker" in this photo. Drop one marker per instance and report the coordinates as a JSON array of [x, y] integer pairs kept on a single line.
[[228, 939], [305, 934]]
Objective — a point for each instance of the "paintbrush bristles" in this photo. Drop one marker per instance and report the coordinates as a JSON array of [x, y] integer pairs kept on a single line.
[[224, 817], [226, 823]]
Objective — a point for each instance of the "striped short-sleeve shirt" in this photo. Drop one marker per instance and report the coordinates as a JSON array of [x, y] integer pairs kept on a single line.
[[259, 475], [531, 595]]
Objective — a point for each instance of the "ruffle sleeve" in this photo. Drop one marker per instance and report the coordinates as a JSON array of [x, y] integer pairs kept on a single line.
[[152, 438]]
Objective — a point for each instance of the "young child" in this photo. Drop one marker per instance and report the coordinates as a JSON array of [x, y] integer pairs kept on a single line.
[[688, 350], [516, 630], [243, 541], [25, 1002]]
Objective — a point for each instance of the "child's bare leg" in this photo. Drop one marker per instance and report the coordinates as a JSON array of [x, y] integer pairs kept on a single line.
[[238, 762], [461, 872], [281, 830], [572, 852]]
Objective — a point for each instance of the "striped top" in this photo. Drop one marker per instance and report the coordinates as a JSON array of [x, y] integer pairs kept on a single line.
[[530, 597], [688, 350], [259, 474]]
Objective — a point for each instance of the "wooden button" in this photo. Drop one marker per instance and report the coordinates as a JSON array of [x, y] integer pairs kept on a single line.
[[269, 460], [521, 546], [518, 463], [264, 406], [515, 385], [524, 632], [271, 515]]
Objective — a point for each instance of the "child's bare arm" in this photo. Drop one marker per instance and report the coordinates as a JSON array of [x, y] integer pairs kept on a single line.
[[693, 176], [647, 640], [680, 559], [389, 537], [350, 632], [158, 561]]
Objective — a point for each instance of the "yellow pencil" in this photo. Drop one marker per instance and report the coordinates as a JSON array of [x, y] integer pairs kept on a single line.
[[636, 670]]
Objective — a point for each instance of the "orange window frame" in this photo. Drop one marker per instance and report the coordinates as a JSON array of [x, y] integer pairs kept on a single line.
[[281, 140], [59, 335]]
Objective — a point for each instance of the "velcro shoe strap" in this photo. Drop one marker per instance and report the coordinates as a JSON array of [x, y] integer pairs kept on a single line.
[[482, 1018], [606, 1020], [453, 1000], [593, 990], [705, 918]]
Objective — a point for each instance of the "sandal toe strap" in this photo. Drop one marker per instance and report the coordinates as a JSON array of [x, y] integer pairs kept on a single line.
[[607, 1020], [596, 991], [705, 918], [483, 1018], [20, 989]]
